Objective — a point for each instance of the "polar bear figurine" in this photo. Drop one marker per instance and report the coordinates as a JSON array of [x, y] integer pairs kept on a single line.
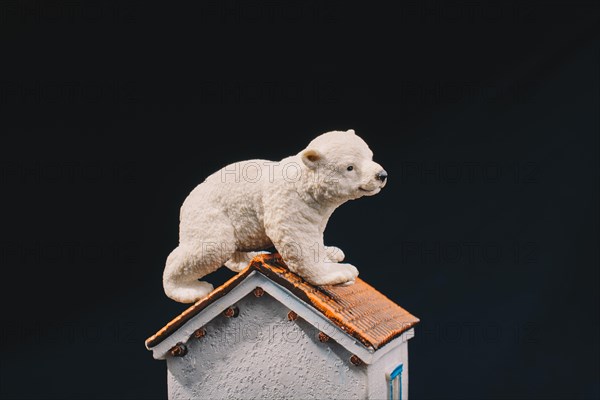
[[253, 205]]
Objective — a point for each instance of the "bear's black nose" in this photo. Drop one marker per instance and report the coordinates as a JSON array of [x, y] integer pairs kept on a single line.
[[382, 176]]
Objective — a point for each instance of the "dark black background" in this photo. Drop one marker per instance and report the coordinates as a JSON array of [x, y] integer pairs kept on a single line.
[[485, 116]]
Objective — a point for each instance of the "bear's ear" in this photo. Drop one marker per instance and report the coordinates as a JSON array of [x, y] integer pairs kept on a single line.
[[310, 157], [351, 131]]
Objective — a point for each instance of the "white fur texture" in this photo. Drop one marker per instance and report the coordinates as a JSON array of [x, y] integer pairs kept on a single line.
[[252, 205]]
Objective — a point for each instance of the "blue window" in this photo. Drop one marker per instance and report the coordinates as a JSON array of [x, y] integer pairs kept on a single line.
[[395, 383]]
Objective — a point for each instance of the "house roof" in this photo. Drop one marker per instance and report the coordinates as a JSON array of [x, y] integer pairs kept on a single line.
[[359, 310]]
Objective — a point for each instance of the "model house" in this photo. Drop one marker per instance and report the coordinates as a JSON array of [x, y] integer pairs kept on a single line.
[[266, 333]]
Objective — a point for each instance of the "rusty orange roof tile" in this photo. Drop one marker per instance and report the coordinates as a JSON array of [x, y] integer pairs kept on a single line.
[[359, 310]]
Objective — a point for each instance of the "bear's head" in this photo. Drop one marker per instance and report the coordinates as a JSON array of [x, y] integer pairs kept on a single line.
[[340, 166]]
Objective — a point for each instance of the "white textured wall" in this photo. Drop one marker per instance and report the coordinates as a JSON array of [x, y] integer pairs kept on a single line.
[[261, 354], [377, 382]]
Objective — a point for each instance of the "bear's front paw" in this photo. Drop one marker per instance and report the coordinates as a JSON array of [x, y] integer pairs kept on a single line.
[[334, 254], [336, 274]]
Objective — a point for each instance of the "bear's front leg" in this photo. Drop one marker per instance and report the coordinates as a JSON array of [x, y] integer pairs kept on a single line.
[[334, 254], [343, 274], [305, 255]]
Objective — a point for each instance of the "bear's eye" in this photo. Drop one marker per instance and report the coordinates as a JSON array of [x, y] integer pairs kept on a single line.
[[350, 168]]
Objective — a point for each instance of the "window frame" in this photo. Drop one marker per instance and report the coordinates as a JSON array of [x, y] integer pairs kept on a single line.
[[391, 378]]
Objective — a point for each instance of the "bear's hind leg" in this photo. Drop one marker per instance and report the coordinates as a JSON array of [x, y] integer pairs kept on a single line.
[[240, 259], [185, 265]]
